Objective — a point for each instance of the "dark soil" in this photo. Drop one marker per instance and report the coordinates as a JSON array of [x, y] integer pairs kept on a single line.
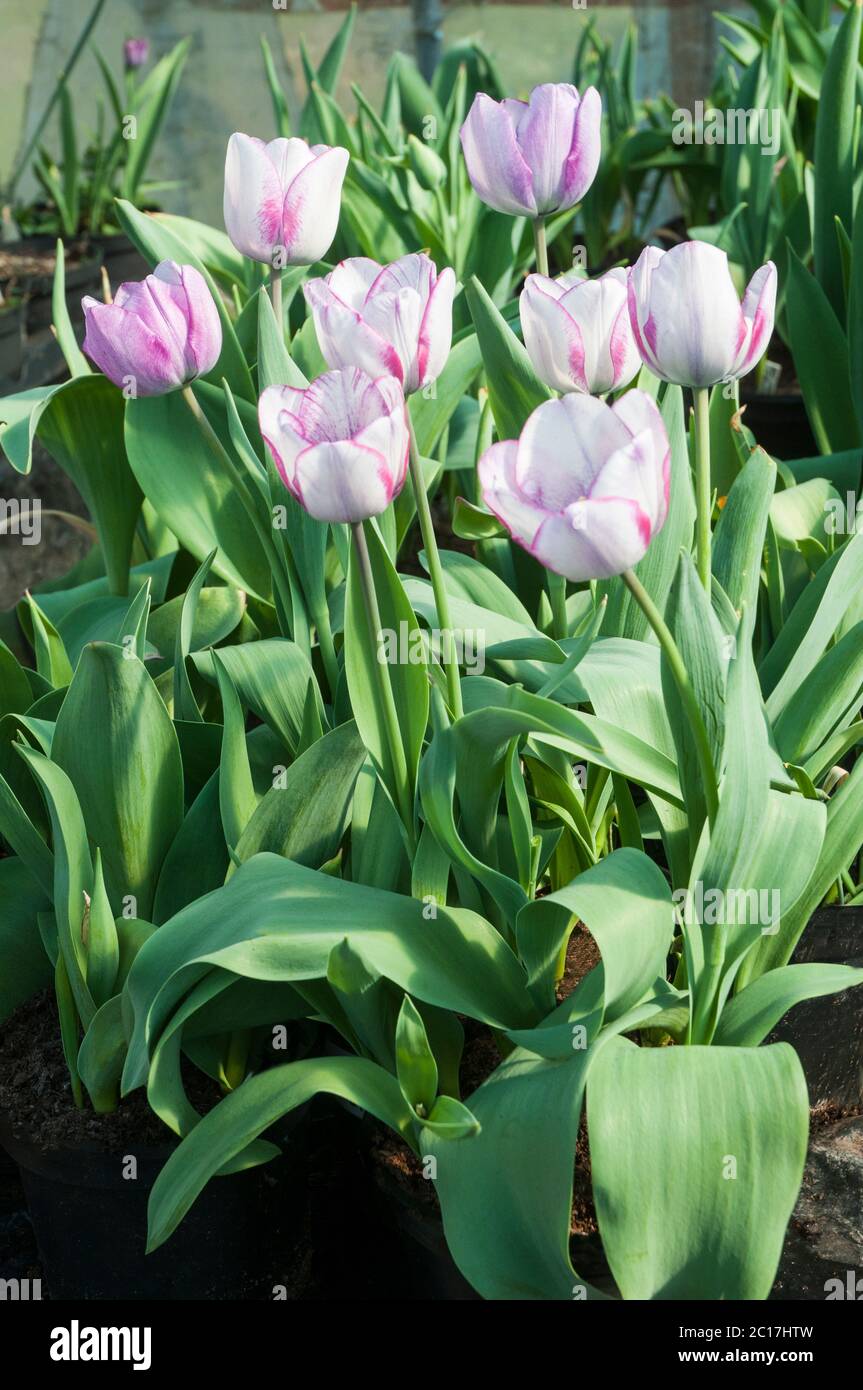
[[36, 1096], [61, 545]]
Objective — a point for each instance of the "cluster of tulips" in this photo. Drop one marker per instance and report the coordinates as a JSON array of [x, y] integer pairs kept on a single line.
[[317, 824], [585, 488]]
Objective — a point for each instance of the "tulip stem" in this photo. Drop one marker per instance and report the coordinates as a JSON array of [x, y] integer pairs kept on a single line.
[[541, 245], [441, 598], [703, 487], [671, 652], [239, 483], [557, 595], [276, 287], [386, 699]]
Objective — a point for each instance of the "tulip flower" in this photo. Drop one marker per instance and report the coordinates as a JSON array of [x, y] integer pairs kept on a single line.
[[135, 53], [341, 445], [692, 330], [532, 158], [585, 487], [158, 335], [282, 199], [689, 324], [395, 318], [577, 332]]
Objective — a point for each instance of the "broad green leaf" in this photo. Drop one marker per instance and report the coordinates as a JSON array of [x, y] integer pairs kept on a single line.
[[415, 1064], [81, 426], [278, 920], [304, 814], [190, 488], [399, 642], [237, 799], [738, 543], [755, 1011], [115, 741], [820, 351], [836, 139], [26, 967], [251, 1109], [271, 678], [513, 387], [720, 1137]]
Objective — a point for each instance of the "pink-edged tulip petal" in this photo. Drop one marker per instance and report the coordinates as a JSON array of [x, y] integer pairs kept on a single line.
[[343, 481], [345, 338], [582, 166], [279, 418], [128, 352], [759, 314], [312, 206], [435, 338], [351, 280], [552, 336], [496, 166], [254, 198], [562, 446], [611, 535]]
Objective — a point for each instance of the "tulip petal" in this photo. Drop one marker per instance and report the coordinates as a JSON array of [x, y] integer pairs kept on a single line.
[[280, 419], [609, 535], [311, 207], [759, 313], [562, 447], [254, 198], [343, 481], [352, 279], [552, 336], [435, 338], [582, 164], [396, 318], [496, 167], [129, 353], [637, 474], [345, 338], [503, 496]]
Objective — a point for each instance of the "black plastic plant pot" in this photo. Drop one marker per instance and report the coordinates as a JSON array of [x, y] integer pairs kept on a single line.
[[780, 425], [239, 1240], [828, 1032], [426, 1270]]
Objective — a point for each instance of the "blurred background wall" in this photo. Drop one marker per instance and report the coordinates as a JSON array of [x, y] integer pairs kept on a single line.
[[223, 88]]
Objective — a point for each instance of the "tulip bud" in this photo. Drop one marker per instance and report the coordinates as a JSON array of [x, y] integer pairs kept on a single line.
[[341, 445], [585, 488], [135, 53], [159, 334], [395, 318], [577, 332], [532, 158], [427, 165], [282, 200], [687, 317]]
